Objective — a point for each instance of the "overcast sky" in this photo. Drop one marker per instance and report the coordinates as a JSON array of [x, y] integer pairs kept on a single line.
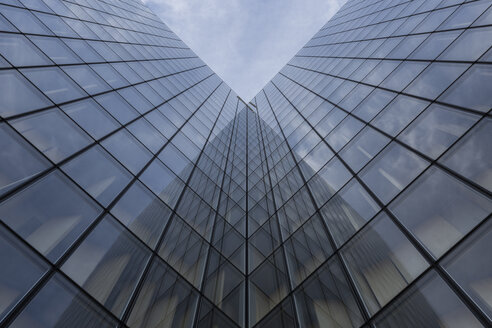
[[246, 42]]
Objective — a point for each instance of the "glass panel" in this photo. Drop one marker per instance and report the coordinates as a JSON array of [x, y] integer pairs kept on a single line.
[[382, 262], [470, 269], [434, 45], [363, 148], [176, 161], [91, 117], [391, 171], [50, 214], [54, 84], [326, 299], [348, 211], [60, 304], [471, 157], [143, 213], [403, 75], [435, 79], [108, 264], [440, 210], [21, 269], [24, 20], [162, 182], [127, 150], [329, 180], [185, 251], [110, 75], [117, 107], [19, 51], [99, 174], [19, 161], [373, 104], [54, 134], [87, 79], [429, 303], [470, 46], [55, 49], [19, 95], [344, 132], [147, 135], [399, 114], [173, 301], [436, 129], [471, 90]]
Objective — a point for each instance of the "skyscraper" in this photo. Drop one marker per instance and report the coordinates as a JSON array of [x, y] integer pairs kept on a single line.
[[138, 190]]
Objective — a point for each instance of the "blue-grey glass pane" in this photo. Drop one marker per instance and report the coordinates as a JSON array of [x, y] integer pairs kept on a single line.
[[98, 174], [54, 134], [469, 267], [91, 117], [470, 45], [429, 303], [382, 262], [49, 214], [21, 269], [24, 20], [439, 210], [373, 104], [19, 95], [56, 25], [435, 79], [147, 135], [391, 171], [436, 129], [127, 150], [471, 157], [60, 304], [117, 107], [110, 75], [87, 79], [348, 211], [19, 51], [397, 115], [434, 45], [143, 213], [471, 89], [112, 261], [55, 84], [19, 161], [176, 161], [162, 182], [55, 49]]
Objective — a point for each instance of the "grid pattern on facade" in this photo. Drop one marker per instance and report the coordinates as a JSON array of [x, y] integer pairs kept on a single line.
[[138, 190]]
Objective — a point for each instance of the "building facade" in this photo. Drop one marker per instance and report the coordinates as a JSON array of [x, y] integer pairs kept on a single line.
[[138, 190]]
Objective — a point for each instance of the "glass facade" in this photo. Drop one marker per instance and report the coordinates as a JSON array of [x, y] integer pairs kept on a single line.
[[138, 190]]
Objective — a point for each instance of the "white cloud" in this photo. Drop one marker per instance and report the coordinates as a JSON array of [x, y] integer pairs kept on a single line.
[[246, 42]]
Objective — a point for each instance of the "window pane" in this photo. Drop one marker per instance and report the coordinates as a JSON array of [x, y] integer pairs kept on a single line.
[[162, 182], [434, 45], [348, 211], [326, 299], [373, 104], [54, 134], [21, 269], [469, 267], [59, 304], [54, 83], [382, 262], [472, 89], [19, 95], [108, 264], [127, 150], [176, 161], [147, 135], [439, 210], [143, 213], [55, 49], [18, 160], [91, 117], [470, 45], [391, 171], [363, 148], [49, 214], [471, 157], [117, 107], [173, 301], [436, 129], [435, 79], [87, 79], [329, 180], [99, 174], [429, 303], [19, 51]]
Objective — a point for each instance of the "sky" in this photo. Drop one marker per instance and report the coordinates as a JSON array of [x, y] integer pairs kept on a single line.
[[246, 42]]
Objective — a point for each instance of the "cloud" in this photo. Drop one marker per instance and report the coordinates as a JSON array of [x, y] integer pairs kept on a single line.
[[246, 42]]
